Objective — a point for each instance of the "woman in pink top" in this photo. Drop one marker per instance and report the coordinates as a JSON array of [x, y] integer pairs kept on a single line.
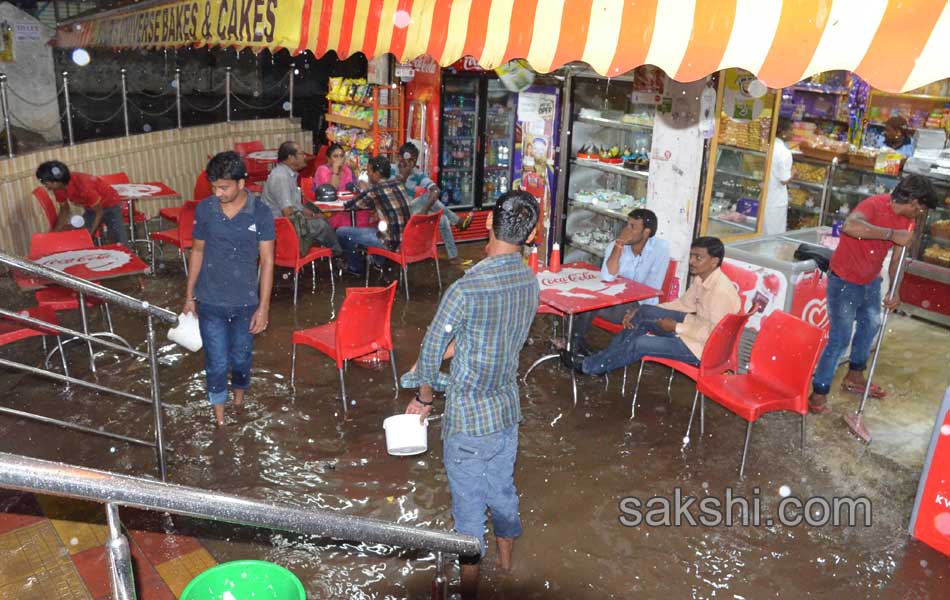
[[337, 174]]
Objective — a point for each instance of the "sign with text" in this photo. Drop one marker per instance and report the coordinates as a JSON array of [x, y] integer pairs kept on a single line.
[[245, 23]]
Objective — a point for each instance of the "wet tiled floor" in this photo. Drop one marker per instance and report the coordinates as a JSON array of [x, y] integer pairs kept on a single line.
[[55, 548]]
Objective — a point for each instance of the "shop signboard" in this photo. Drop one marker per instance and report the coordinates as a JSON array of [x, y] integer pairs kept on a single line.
[[760, 288], [930, 519]]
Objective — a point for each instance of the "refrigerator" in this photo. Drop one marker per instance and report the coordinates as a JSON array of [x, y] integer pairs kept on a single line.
[[492, 140]]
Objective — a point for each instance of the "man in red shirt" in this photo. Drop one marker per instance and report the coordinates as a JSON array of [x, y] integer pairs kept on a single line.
[[101, 203], [854, 281]]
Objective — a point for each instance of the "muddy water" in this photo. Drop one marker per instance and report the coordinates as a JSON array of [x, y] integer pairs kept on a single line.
[[292, 445]]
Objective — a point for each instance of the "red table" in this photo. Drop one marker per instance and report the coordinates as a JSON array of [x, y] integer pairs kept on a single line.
[[93, 264], [578, 288], [138, 191]]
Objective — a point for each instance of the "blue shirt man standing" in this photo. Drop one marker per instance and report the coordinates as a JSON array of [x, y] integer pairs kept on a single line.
[[636, 255], [233, 238], [482, 324]]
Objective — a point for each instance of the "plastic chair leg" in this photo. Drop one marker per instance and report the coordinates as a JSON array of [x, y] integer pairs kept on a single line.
[[368, 257], [669, 384], [692, 412], [62, 356], [438, 274], [296, 278], [184, 260], [745, 449], [313, 272], [636, 390], [702, 414], [293, 364], [405, 277], [343, 391], [803, 434], [623, 383], [392, 361]]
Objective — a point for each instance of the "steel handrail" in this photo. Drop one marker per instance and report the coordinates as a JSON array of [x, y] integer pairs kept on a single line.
[[87, 287], [46, 477]]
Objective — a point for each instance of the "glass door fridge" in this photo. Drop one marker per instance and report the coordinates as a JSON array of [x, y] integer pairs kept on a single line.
[[500, 114], [459, 140]]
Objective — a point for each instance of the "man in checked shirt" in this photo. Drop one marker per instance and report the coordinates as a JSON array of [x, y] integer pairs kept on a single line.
[[482, 324]]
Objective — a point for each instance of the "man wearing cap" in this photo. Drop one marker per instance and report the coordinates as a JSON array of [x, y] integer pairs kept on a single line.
[[101, 203], [415, 179]]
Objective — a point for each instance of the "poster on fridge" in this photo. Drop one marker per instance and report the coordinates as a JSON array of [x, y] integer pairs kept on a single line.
[[761, 289]]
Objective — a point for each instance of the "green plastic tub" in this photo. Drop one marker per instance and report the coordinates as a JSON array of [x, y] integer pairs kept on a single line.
[[245, 580]]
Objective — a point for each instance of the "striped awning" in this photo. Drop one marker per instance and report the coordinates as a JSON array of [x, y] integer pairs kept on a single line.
[[896, 45]]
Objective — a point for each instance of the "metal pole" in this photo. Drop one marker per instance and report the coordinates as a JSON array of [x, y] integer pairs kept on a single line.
[[69, 114], [564, 152], [125, 103], [293, 71], [6, 113], [178, 95], [41, 476], [120, 558], [156, 398], [227, 93]]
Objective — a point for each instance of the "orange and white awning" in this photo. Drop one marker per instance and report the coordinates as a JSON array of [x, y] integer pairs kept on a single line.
[[896, 45]]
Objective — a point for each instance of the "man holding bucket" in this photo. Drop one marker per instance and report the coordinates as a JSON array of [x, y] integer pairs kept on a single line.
[[482, 324]]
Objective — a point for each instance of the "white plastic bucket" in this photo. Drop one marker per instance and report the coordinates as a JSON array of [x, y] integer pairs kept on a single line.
[[406, 435], [187, 333]]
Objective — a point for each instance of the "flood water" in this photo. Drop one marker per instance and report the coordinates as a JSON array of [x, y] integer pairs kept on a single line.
[[575, 464]]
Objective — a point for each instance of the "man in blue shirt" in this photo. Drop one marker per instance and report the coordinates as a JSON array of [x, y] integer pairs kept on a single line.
[[482, 324], [636, 255], [233, 237]]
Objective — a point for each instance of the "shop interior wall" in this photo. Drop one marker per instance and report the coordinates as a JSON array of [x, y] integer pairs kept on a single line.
[[31, 84], [174, 157], [675, 168]]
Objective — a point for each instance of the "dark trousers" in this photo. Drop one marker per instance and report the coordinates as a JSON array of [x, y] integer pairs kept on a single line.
[[583, 321]]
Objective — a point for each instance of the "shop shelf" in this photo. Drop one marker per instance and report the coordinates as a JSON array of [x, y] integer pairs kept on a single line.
[[613, 124], [348, 121], [806, 184], [587, 248], [819, 90], [618, 170], [739, 225], [613, 214], [742, 175], [741, 150], [805, 209]]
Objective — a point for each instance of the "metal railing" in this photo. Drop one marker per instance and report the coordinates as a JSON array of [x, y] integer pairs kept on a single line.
[[45, 477], [85, 288]]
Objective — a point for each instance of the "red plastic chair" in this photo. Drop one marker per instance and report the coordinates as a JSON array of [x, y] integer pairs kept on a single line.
[[418, 244], [362, 328], [57, 298], [306, 189], [179, 237], [245, 148], [287, 254], [47, 204], [201, 191], [783, 358], [13, 330], [256, 170], [310, 166]]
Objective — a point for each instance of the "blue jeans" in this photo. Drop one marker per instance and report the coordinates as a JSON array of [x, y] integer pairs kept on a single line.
[[848, 304], [228, 346], [630, 345], [481, 475], [112, 217], [448, 219], [354, 240]]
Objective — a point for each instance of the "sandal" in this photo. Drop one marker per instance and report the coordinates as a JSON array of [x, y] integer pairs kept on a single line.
[[818, 409], [464, 223], [876, 391]]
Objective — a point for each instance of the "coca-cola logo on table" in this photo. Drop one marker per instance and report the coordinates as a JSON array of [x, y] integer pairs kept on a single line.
[[94, 259], [552, 280], [136, 190]]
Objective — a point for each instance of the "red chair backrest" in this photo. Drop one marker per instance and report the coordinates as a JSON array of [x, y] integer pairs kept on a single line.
[[310, 167], [418, 239], [321, 157], [667, 289], [186, 222], [306, 189], [286, 244], [44, 244], [47, 204], [202, 187], [113, 178], [785, 354], [364, 322], [721, 351], [245, 148]]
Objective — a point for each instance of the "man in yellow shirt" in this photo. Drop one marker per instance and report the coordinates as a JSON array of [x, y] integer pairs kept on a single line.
[[678, 329]]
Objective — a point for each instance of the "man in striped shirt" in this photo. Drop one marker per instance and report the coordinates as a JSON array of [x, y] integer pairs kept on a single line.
[[482, 324]]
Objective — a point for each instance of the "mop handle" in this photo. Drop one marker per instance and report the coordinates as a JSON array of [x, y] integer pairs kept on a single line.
[[895, 285]]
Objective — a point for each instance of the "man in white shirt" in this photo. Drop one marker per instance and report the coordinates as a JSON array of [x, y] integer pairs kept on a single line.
[[776, 203], [636, 255]]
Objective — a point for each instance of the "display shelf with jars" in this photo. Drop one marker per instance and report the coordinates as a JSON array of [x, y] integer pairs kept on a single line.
[[740, 156], [808, 191], [611, 142]]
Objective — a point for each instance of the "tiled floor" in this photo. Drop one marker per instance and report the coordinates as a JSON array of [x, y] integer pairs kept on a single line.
[[54, 548]]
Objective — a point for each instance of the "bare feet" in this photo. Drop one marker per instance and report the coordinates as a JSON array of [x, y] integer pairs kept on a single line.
[[238, 397], [219, 415], [468, 585], [505, 548]]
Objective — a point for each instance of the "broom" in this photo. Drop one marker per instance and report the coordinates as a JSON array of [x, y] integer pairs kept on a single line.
[[855, 421]]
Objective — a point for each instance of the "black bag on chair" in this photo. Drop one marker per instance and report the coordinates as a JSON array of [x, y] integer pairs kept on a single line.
[[819, 254]]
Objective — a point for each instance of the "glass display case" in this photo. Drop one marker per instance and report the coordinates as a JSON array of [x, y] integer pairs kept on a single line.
[[849, 186], [459, 141], [807, 191], [497, 161], [611, 141], [737, 188]]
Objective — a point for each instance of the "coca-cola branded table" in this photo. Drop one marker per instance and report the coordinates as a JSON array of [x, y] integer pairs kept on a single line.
[[578, 288], [138, 191]]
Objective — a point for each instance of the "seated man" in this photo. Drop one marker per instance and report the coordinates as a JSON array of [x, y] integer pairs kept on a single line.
[[678, 329], [413, 178], [636, 255], [388, 198], [282, 194], [101, 202]]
